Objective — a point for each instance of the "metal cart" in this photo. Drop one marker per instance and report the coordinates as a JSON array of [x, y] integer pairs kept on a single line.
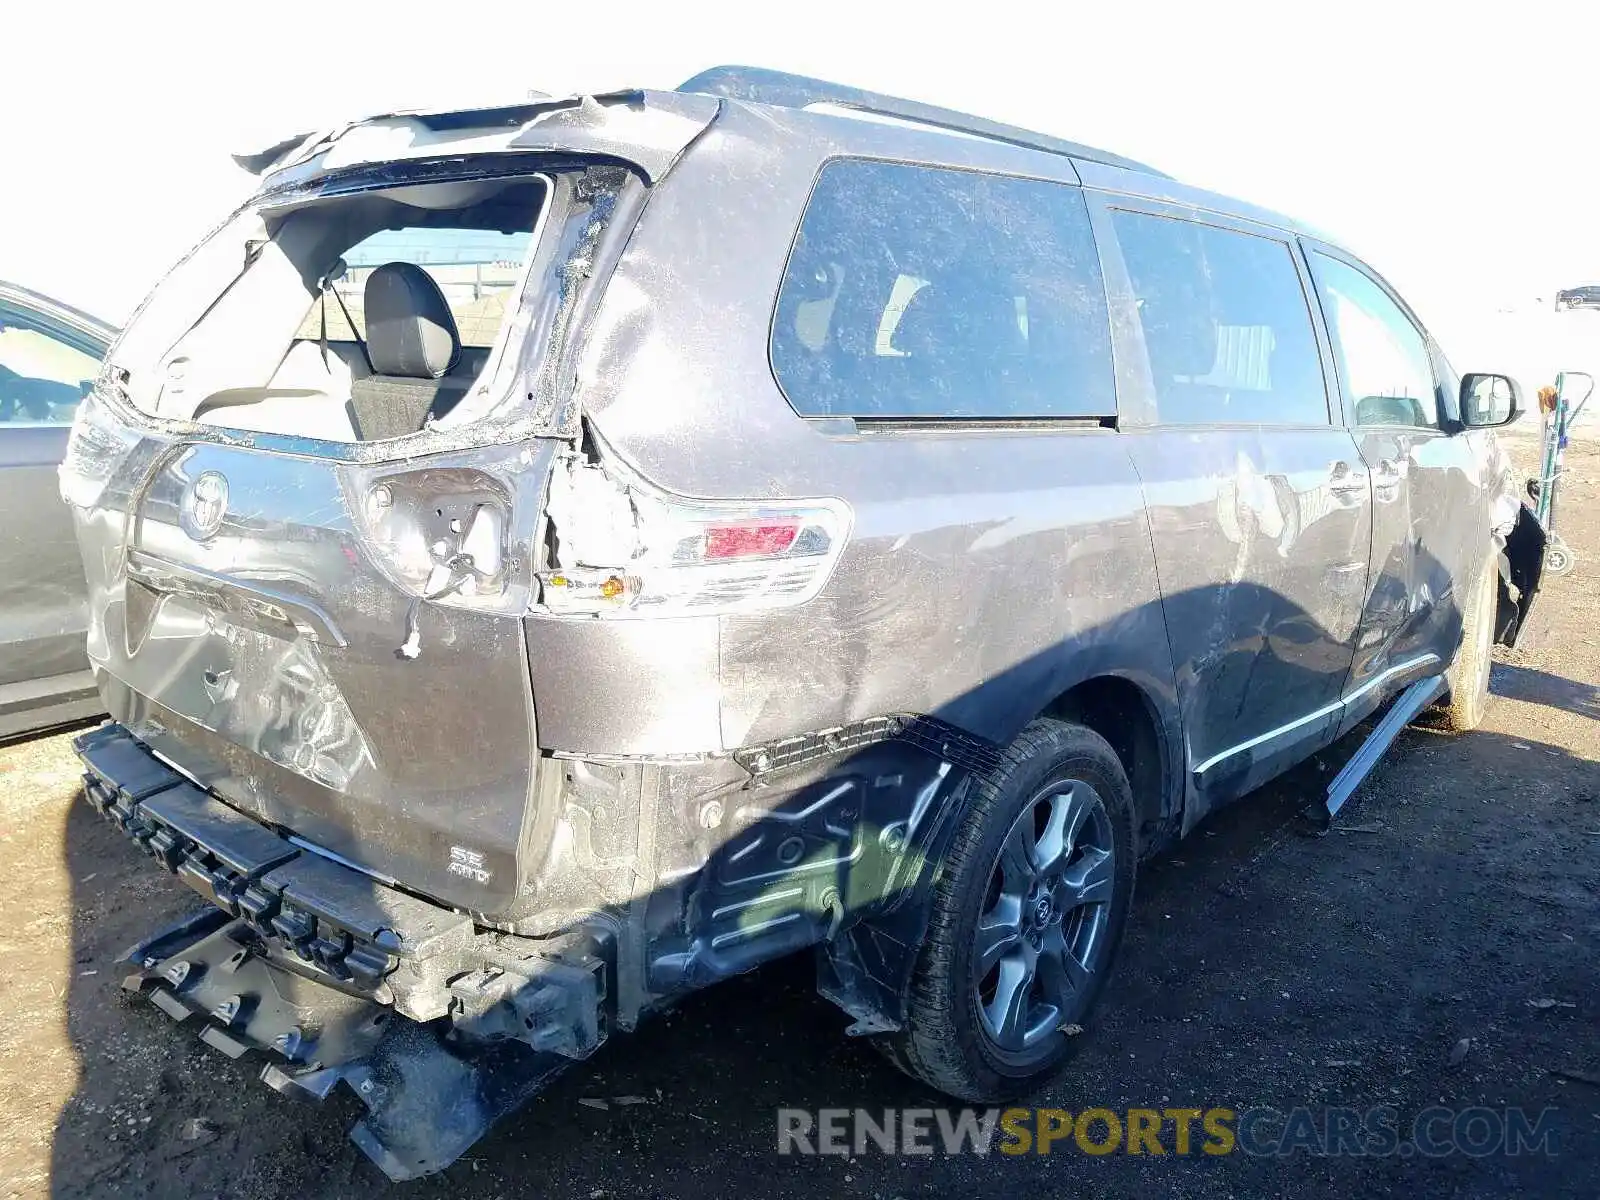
[[1553, 429]]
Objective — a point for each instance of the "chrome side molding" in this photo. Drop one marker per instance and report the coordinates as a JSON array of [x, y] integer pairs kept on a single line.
[[1287, 735]]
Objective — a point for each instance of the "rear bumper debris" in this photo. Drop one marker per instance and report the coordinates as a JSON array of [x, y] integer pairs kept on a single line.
[[438, 1027]]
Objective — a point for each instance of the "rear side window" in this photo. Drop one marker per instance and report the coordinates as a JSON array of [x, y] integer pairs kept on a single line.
[[1226, 324], [926, 292], [1383, 358]]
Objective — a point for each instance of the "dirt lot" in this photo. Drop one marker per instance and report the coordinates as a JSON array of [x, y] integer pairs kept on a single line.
[[1262, 967]]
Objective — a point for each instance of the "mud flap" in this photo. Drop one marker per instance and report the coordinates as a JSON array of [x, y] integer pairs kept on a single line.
[[429, 1094], [1521, 570]]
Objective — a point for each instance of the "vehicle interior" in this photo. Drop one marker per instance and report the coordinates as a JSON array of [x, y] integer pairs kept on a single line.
[[358, 317], [1225, 324], [918, 311]]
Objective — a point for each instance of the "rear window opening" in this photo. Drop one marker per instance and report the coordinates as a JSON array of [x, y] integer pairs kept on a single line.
[[475, 269], [348, 318]]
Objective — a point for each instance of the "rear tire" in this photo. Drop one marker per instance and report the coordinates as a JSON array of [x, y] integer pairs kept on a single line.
[[1468, 676], [1029, 908]]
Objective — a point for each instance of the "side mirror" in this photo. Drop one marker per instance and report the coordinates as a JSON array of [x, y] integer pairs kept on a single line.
[[1489, 401]]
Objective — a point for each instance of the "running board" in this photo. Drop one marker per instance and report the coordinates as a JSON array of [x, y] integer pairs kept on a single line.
[[1407, 705]]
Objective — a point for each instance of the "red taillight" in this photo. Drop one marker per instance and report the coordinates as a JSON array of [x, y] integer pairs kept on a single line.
[[624, 548], [749, 539]]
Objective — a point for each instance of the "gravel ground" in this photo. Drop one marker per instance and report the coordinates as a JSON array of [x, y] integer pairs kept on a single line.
[[1393, 962]]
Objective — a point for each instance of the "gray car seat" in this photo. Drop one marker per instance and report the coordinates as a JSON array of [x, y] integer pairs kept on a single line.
[[413, 345]]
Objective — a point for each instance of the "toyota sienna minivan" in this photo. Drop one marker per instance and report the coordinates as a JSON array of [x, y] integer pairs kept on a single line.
[[544, 560]]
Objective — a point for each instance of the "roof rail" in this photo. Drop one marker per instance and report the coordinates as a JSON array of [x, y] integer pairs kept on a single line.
[[762, 86]]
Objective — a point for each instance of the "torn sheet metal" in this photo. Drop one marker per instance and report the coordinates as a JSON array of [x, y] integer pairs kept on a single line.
[[429, 1096], [647, 130], [526, 393]]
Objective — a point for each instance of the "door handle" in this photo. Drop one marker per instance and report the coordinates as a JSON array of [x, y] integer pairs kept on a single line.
[[1344, 480], [1386, 480]]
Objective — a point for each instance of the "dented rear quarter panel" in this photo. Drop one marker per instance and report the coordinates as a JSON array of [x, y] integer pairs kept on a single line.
[[988, 570]]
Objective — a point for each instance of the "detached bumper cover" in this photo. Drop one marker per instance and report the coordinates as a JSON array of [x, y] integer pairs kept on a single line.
[[308, 962]]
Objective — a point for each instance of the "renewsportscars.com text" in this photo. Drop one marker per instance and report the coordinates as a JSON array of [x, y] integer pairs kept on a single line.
[[1259, 1131]]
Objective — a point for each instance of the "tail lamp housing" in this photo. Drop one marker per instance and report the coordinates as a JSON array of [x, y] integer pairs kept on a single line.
[[626, 549]]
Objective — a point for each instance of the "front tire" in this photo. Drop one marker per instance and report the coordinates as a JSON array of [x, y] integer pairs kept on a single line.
[[1029, 908], [1468, 676]]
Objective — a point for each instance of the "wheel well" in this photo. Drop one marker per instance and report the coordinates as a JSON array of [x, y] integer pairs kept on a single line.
[[1119, 712]]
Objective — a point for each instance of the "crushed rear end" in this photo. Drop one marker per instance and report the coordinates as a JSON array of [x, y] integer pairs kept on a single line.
[[311, 636]]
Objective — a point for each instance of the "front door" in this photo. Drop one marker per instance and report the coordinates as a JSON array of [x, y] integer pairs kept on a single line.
[[1259, 505], [43, 614], [1425, 484]]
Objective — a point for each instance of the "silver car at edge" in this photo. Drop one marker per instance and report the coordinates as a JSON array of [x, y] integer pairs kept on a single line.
[[545, 560], [49, 353]]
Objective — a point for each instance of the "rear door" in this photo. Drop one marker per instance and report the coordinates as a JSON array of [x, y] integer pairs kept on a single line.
[[258, 621], [329, 633], [1428, 538], [45, 367], [1259, 504]]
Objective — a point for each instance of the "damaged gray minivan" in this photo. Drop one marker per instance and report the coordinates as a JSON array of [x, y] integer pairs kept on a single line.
[[547, 559]]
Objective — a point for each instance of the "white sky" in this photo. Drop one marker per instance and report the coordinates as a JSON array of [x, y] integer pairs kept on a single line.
[[1453, 145]]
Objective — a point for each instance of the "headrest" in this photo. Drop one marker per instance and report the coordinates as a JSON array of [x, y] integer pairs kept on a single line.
[[410, 330]]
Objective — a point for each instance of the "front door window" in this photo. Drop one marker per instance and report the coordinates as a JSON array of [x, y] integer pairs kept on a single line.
[[1383, 358]]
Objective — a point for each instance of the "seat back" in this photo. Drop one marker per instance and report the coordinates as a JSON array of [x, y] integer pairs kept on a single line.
[[413, 345]]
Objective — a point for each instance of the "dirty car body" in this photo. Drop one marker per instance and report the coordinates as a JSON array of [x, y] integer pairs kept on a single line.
[[674, 628]]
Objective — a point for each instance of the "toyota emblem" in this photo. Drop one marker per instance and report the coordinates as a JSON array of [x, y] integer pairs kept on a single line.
[[204, 503]]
